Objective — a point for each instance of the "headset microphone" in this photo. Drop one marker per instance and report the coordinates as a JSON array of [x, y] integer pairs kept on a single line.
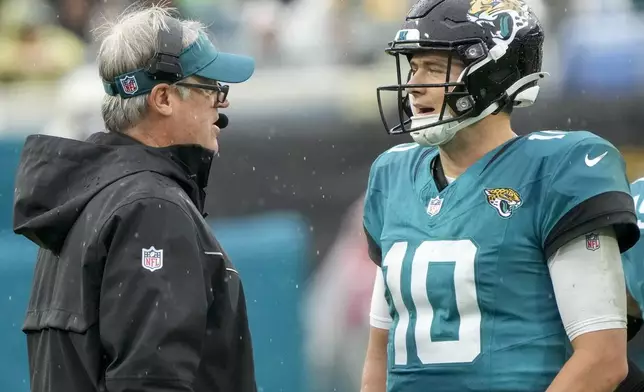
[[222, 122]]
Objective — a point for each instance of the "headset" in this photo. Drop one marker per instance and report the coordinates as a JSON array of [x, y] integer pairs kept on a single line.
[[165, 65]]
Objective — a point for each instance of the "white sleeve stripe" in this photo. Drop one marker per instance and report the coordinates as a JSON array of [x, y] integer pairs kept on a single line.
[[597, 324], [381, 319], [378, 322]]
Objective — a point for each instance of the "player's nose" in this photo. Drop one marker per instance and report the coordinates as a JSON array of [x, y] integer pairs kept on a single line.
[[413, 88]]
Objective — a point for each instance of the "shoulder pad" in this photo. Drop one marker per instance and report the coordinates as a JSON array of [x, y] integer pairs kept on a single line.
[[400, 158], [553, 144], [398, 154]]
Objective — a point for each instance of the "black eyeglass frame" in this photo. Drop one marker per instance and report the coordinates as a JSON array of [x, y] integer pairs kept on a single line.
[[221, 89]]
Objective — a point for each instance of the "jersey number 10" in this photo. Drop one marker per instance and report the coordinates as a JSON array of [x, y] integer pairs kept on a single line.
[[413, 295]]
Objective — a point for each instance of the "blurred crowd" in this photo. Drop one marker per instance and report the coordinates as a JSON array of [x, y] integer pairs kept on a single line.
[[46, 39]]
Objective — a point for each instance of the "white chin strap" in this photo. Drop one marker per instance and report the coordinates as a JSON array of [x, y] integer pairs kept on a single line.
[[441, 134]]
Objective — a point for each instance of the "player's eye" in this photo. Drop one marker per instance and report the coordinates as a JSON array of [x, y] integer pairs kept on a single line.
[[436, 69]]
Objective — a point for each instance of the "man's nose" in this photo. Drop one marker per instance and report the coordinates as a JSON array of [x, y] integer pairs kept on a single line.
[[415, 91]]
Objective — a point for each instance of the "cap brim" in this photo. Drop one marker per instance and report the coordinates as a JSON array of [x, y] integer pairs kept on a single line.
[[229, 68]]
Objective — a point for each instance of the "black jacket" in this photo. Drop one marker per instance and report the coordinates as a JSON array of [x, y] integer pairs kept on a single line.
[[131, 290]]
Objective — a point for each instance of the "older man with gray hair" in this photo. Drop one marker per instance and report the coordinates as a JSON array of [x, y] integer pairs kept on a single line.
[[131, 290]]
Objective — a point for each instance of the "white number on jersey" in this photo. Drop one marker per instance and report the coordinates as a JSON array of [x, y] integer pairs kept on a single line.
[[549, 135], [468, 345], [402, 147]]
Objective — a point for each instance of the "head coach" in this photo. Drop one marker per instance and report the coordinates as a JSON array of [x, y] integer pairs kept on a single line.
[[131, 290]]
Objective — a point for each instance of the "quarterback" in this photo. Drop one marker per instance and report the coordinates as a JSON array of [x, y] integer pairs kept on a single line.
[[634, 259], [633, 263], [499, 255]]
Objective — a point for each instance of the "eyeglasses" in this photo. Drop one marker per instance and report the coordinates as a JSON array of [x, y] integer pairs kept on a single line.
[[220, 89]]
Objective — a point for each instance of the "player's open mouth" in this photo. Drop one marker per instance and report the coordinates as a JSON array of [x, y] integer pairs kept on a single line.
[[423, 111]]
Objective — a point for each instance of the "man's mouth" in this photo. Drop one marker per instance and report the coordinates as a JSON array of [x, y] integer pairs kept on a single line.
[[424, 111]]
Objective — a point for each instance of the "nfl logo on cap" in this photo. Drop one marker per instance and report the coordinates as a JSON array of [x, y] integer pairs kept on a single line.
[[129, 84], [152, 259]]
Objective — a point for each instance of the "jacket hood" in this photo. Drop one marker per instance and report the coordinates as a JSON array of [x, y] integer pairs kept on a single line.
[[57, 178]]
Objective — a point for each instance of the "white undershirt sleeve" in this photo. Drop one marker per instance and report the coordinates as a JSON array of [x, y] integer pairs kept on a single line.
[[589, 284], [379, 316]]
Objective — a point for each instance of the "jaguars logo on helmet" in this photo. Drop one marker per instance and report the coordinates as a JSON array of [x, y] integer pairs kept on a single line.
[[502, 18], [503, 200]]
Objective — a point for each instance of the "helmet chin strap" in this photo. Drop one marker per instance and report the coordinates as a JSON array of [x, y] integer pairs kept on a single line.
[[441, 134]]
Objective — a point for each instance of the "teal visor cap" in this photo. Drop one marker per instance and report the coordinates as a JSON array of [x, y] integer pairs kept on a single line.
[[201, 58]]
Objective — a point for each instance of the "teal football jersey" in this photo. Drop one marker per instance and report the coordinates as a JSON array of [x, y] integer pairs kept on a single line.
[[633, 260], [465, 265]]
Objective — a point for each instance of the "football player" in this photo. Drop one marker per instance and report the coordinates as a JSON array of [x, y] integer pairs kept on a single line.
[[499, 255], [633, 263], [633, 260]]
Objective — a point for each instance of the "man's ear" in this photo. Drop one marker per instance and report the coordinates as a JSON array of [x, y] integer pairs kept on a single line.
[[160, 99]]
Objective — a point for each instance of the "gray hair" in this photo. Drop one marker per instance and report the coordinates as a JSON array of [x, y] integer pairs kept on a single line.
[[128, 44]]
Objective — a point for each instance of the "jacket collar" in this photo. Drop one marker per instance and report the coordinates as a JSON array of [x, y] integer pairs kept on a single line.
[[193, 160]]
